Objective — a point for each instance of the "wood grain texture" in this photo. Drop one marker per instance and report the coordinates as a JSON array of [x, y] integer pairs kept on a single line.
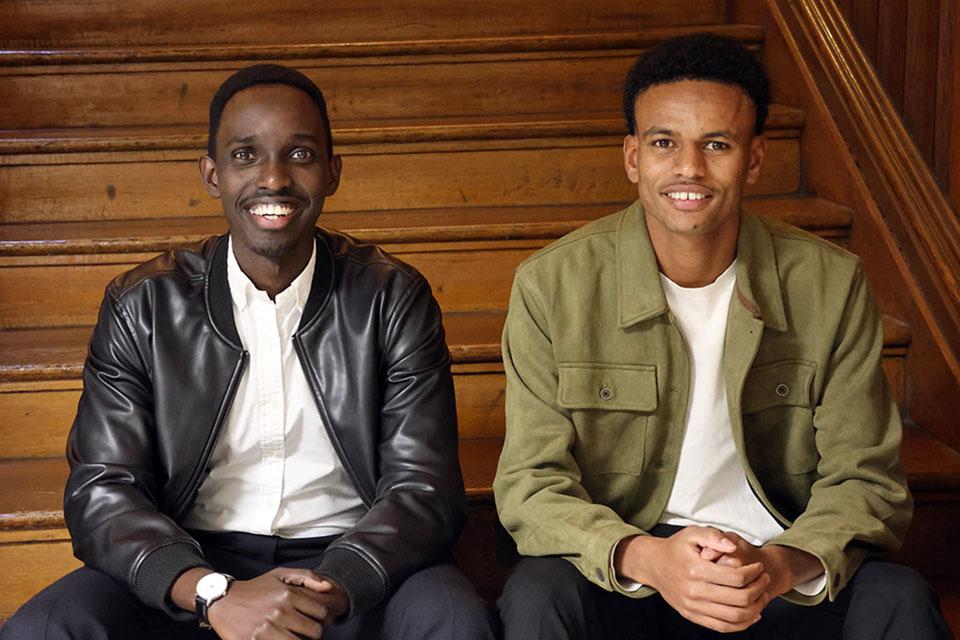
[[98, 23], [360, 80]]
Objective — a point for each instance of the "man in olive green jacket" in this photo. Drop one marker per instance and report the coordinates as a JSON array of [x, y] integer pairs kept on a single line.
[[686, 370]]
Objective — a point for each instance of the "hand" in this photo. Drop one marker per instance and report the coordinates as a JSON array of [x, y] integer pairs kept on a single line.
[[787, 566], [278, 604], [716, 596], [328, 592]]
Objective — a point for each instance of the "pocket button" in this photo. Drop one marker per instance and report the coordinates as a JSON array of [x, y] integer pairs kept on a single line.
[[782, 390], [606, 393]]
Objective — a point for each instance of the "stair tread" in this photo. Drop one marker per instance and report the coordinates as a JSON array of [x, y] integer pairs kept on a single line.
[[411, 225], [31, 489], [56, 353], [345, 132]]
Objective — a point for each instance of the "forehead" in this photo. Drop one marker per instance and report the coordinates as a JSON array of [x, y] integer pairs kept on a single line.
[[270, 111], [691, 106]]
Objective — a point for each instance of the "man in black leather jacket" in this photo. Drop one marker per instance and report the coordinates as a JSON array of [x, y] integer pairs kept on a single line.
[[167, 364]]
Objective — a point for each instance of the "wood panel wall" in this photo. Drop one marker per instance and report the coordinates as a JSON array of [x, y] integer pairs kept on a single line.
[[913, 45]]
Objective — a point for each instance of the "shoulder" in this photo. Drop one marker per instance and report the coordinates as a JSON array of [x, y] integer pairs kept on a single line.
[[181, 268], [592, 244], [362, 267], [789, 241]]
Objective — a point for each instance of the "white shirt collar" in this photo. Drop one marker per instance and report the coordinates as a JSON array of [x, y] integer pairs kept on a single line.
[[244, 291]]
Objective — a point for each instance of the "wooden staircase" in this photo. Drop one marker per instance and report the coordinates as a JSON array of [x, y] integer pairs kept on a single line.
[[471, 137]]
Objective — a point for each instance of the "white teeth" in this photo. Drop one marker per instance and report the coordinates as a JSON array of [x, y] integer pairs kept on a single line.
[[272, 211], [685, 195]]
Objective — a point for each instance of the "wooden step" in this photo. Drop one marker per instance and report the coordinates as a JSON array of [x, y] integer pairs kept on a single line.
[[470, 266], [400, 79], [40, 380], [53, 176], [99, 23]]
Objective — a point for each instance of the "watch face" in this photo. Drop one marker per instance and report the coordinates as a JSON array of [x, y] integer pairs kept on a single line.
[[212, 585]]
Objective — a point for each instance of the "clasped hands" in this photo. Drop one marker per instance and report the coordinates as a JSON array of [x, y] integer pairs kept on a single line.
[[282, 603], [715, 579]]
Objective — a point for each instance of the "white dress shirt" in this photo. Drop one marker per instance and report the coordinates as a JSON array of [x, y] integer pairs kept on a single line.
[[274, 470]]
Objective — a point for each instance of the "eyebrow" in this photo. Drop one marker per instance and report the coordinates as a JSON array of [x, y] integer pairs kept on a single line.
[[297, 136], [662, 131]]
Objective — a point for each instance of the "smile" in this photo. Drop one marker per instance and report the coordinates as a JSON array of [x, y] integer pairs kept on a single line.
[[684, 195], [271, 211]]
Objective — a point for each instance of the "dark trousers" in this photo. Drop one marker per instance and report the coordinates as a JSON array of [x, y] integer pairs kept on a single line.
[[434, 603], [548, 598]]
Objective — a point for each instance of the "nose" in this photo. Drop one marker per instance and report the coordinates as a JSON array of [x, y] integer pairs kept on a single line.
[[274, 175], [689, 162]]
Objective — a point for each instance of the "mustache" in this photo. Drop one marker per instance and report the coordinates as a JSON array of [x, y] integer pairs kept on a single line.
[[285, 195]]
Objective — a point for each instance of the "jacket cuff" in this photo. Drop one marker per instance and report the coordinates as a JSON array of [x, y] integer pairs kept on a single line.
[[159, 570], [365, 586], [839, 564]]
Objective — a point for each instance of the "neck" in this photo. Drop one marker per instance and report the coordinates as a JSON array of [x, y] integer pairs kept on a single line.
[[274, 274], [694, 261]]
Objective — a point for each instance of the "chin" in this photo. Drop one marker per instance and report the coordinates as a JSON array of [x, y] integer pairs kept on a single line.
[[273, 248]]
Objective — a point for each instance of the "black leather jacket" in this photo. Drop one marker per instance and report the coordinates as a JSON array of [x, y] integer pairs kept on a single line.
[[164, 362]]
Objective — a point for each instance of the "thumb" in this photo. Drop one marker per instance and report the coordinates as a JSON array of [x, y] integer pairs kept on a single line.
[[710, 538], [307, 579]]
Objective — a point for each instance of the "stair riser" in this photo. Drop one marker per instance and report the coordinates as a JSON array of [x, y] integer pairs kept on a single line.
[[101, 23], [77, 187], [355, 89]]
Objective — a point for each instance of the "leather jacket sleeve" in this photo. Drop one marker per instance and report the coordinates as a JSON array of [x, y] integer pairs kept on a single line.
[[113, 495], [419, 506]]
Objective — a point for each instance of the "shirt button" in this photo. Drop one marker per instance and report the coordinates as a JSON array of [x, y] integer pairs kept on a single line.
[[782, 390], [606, 393]]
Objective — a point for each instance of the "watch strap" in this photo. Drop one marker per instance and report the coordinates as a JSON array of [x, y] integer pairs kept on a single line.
[[203, 604]]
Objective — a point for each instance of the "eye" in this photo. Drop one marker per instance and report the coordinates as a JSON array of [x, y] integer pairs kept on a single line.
[[242, 155], [716, 145], [662, 143], [302, 154]]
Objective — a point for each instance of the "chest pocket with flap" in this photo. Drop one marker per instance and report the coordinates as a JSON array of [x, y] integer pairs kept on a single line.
[[778, 417], [609, 405]]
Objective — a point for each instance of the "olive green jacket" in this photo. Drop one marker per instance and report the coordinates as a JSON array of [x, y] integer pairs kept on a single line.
[[598, 382]]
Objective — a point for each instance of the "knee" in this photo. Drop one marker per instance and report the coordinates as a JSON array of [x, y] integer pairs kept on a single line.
[[892, 586], [442, 600], [538, 583], [84, 603]]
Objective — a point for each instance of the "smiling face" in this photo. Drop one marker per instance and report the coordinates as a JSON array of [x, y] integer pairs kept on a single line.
[[692, 155], [272, 173]]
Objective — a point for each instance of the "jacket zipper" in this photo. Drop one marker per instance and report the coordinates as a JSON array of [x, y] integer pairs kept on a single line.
[[185, 499]]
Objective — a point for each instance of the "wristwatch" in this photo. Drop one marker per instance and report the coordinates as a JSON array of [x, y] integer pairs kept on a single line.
[[210, 588]]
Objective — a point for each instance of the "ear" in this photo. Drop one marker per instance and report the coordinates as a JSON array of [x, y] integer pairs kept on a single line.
[[334, 167], [758, 151], [631, 145], [208, 175]]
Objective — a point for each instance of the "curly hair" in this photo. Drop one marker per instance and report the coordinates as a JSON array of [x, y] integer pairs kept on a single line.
[[698, 56], [263, 74]]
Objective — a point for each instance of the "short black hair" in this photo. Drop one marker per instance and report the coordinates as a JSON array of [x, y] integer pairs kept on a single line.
[[698, 56], [253, 76]]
